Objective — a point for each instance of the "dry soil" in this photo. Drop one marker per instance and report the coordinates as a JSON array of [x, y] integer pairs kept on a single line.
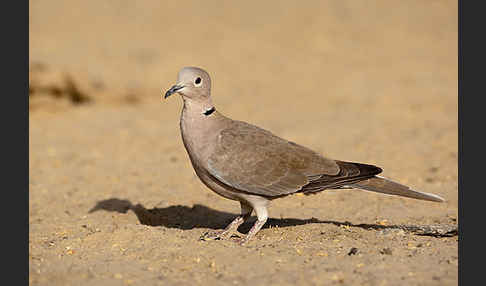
[[113, 199]]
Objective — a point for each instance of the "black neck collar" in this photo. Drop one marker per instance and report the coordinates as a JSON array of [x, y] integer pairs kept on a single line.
[[209, 111]]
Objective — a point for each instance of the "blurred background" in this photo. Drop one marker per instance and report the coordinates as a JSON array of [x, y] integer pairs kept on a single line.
[[382, 50], [365, 81]]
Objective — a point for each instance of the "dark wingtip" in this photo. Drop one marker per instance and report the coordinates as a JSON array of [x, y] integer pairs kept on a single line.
[[364, 169]]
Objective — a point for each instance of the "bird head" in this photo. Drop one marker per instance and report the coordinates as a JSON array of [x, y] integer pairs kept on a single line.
[[192, 83]]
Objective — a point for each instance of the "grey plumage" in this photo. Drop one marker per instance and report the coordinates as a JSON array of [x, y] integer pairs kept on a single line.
[[243, 162], [385, 186]]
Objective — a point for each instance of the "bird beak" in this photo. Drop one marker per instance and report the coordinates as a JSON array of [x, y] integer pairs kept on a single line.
[[173, 89]]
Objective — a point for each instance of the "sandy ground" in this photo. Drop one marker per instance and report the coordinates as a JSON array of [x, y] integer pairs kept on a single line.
[[113, 199]]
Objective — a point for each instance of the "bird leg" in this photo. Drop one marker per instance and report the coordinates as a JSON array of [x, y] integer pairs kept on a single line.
[[231, 227], [262, 216]]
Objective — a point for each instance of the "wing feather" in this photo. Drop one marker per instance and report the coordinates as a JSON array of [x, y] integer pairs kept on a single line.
[[255, 161]]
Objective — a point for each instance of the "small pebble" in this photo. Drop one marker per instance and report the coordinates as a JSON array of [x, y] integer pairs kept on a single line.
[[353, 251], [386, 251]]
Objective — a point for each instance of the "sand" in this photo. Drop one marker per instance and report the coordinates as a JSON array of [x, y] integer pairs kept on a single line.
[[113, 199]]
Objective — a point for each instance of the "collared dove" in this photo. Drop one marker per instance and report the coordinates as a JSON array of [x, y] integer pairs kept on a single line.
[[243, 162]]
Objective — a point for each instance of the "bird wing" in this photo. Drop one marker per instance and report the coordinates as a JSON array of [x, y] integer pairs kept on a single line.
[[255, 161]]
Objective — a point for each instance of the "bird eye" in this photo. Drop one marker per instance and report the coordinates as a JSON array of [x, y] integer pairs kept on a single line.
[[198, 81]]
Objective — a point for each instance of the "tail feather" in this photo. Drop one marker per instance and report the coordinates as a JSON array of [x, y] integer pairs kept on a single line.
[[385, 186]]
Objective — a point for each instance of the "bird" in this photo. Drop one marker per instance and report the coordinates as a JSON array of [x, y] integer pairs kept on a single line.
[[242, 162]]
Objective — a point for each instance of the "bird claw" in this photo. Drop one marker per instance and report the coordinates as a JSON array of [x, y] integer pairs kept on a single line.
[[224, 234], [214, 235]]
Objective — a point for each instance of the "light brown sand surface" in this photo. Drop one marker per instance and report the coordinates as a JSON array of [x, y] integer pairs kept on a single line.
[[113, 199]]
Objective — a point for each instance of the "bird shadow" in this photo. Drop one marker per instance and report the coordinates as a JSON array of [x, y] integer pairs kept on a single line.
[[199, 216]]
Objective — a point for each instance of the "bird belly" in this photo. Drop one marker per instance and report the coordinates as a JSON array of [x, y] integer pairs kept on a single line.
[[216, 187]]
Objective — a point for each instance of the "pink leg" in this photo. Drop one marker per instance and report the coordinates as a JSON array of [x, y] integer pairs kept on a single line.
[[262, 214], [230, 228]]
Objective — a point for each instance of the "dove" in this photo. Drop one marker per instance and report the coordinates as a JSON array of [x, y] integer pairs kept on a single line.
[[251, 165]]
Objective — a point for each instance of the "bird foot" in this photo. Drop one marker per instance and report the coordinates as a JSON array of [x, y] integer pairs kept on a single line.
[[253, 231], [227, 232], [216, 235], [237, 237]]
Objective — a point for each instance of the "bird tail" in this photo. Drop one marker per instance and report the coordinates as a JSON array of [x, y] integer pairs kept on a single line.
[[385, 186]]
